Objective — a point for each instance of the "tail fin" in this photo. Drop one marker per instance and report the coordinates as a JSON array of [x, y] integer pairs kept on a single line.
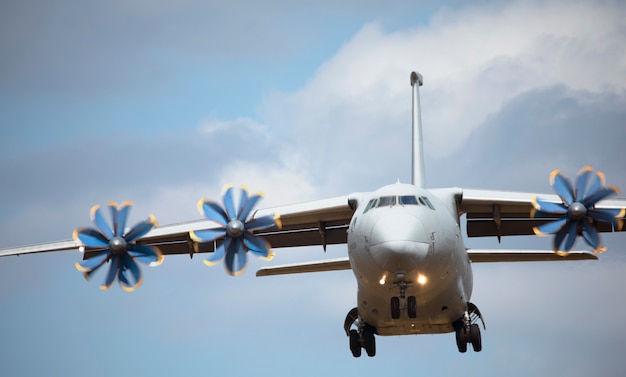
[[417, 176]]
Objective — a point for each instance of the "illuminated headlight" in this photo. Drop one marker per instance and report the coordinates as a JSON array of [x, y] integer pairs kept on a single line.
[[421, 279]]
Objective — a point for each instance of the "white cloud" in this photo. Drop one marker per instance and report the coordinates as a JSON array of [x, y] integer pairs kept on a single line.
[[473, 61]]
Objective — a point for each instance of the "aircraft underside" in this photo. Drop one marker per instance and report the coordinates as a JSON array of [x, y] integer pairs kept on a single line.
[[361, 334]]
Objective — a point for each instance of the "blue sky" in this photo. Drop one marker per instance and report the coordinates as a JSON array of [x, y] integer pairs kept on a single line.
[[163, 103]]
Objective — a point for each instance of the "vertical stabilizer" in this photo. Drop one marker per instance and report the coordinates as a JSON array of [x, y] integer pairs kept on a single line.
[[417, 173]]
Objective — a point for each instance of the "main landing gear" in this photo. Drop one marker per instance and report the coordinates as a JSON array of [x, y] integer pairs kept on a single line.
[[362, 337], [467, 330]]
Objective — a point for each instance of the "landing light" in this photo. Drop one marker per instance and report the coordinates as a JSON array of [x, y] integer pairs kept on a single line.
[[421, 279], [382, 280]]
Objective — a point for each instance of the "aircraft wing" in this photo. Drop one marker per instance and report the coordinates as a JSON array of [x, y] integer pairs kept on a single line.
[[508, 213], [321, 222]]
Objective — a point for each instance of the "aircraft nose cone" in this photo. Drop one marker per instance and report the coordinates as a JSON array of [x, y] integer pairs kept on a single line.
[[399, 242]]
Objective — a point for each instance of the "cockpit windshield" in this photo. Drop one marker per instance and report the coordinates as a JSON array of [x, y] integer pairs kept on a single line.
[[386, 201], [389, 201], [407, 199]]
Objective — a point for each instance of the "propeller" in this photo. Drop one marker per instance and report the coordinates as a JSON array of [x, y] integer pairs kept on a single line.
[[235, 229], [117, 247], [578, 215]]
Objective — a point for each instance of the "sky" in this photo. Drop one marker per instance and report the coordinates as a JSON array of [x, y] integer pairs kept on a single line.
[[163, 103]]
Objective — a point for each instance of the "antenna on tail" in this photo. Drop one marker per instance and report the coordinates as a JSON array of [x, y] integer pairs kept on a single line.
[[417, 173]]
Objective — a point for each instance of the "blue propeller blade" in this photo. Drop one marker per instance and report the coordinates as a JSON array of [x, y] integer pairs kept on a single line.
[[582, 181], [146, 254], [590, 235], [261, 223], [545, 207], [551, 227], [247, 207], [257, 245], [599, 194], [229, 261], [140, 229], [90, 237], [207, 235], [243, 202], [229, 203], [213, 211], [119, 220], [597, 181], [572, 233], [100, 222], [562, 187], [115, 266], [129, 265], [241, 259], [218, 254], [609, 215], [94, 262]]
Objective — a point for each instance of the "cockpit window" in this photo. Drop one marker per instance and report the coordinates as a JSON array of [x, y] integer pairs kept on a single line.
[[427, 201], [386, 201], [369, 206], [389, 201], [407, 200]]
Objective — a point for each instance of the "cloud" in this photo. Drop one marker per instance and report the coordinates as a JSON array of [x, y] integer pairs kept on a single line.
[[356, 107]]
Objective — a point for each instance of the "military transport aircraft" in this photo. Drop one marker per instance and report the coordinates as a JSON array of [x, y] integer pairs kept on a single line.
[[404, 242]]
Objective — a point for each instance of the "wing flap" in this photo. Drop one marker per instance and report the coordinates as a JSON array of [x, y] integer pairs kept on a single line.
[[298, 268]]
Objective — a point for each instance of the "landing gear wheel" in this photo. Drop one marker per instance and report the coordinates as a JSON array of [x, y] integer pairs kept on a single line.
[[355, 344], [475, 338], [395, 307], [461, 343], [411, 306], [369, 341]]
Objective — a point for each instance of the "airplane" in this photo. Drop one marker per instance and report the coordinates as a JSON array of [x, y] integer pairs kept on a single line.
[[404, 242]]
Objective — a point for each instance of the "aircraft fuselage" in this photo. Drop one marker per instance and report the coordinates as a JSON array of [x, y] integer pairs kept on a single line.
[[405, 244]]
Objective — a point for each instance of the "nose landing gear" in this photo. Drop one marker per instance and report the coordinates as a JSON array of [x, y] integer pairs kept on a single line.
[[403, 302], [362, 337]]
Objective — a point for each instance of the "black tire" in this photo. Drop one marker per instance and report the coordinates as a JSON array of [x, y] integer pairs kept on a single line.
[[477, 343], [369, 341], [395, 307], [461, 343], [355, 343], [411, 306]]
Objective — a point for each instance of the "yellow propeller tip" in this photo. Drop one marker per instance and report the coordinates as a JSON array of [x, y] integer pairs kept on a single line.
[[209, 263]]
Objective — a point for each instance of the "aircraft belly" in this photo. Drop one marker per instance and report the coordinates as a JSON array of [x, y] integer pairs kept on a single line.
[[436, 309], [440, 301]]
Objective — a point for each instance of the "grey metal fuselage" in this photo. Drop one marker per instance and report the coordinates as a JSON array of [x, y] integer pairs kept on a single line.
[[395, 240]]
